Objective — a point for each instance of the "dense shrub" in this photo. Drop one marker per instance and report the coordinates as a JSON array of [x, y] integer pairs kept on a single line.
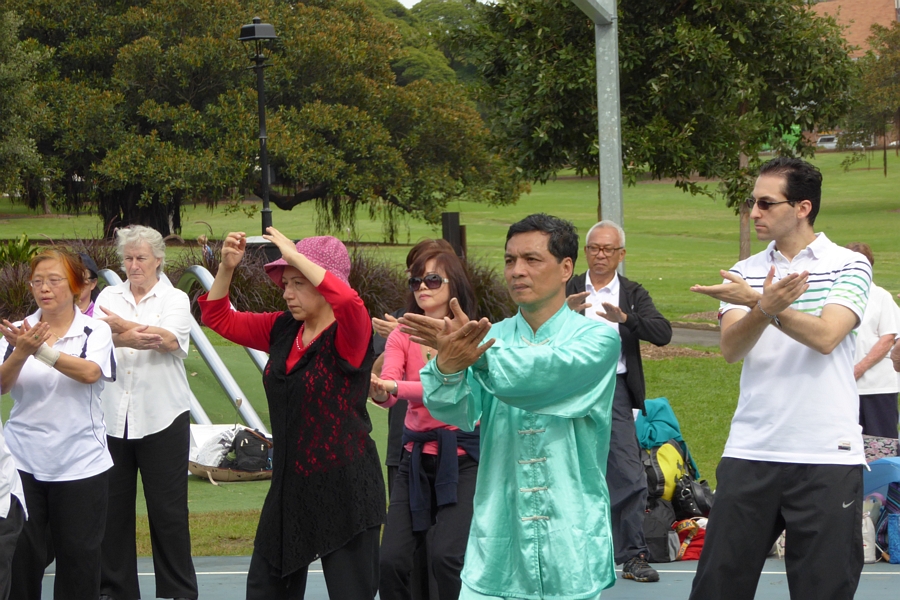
[[102, 251], [490, 291], [380, 283], [16, 301]]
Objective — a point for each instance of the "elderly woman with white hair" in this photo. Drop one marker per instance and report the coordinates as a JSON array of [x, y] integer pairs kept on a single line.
[[147, 412]]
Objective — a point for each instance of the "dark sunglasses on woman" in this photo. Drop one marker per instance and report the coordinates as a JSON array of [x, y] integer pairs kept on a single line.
[[432, 281]]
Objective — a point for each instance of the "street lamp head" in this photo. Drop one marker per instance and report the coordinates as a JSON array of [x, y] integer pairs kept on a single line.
[[257, 31]]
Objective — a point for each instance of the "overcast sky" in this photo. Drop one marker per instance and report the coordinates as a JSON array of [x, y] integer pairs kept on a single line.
[[408, 3]]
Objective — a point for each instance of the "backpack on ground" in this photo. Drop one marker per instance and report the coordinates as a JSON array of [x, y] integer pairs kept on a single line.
[[662, 541], [251, 452], [665, 465]]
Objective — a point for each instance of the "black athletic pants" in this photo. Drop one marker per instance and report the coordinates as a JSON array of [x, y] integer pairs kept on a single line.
[[10, 528], [878, 415], [162, 459], [819, 507], [445, 542], [75, 513], [626, 479], [351, 573]]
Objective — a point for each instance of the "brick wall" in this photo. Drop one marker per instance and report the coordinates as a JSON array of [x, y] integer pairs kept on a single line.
[[858, 16]]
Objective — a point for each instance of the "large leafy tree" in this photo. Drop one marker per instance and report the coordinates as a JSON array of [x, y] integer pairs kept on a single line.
[[419, 57], [18, 114], [705, 85], [151, 105], [445, 20]]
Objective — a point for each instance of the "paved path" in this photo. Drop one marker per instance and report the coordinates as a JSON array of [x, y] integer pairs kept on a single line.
[[695, 337], [224, 578]]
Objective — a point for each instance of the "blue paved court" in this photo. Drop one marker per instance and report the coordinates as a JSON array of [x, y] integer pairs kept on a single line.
[[223, 578]]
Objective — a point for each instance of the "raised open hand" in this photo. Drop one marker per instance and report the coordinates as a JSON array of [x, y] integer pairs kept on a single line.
[[613, 313], [458, 340], [735, 291], [779, 296], [577, 302], [384, 327], [116, 323]]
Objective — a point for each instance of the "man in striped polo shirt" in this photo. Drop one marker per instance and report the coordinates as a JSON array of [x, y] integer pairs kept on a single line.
[[794, 456]]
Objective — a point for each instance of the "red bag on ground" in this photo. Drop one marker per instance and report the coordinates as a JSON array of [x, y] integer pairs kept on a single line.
[[691, 536]]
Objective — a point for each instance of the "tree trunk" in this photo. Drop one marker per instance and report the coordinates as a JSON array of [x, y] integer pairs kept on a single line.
[[123, 208], [744, 249]]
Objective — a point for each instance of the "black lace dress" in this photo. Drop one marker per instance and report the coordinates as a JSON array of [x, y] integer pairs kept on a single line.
[[327, 485]]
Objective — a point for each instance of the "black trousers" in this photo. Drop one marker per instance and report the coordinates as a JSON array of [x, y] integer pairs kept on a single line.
[[75, 513], [626, 479], [818, 506], [878, 415], [351, 573], [162, 459], [10, 528], [444, 543]]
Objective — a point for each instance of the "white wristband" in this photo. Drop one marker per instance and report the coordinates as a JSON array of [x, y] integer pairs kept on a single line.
[[47, 355]]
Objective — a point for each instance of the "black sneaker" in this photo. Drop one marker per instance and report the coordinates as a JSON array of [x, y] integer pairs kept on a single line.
[[639, 569]]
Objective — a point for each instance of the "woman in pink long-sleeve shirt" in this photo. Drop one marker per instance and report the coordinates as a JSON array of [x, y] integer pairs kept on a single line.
[[431, 500]]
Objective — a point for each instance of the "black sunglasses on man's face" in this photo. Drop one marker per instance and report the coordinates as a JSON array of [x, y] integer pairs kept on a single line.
[[765, 204]]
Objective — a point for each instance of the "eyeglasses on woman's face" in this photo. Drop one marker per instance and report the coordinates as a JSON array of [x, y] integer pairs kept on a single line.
[[53, 282], [432, 281]]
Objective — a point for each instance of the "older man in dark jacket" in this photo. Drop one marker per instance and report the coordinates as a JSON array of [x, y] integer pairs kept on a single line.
[[628, 308]]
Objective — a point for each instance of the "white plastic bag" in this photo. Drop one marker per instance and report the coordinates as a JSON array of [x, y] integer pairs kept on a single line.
[[213, 451], [870, 554]]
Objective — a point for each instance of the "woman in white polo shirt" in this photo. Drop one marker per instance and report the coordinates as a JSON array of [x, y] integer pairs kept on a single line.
[[55, 369], [148, 419]]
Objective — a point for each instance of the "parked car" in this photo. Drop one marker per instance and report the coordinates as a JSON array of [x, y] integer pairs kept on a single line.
[[827, 142]]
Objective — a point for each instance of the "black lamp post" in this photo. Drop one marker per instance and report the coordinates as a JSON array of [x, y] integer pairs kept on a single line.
[[258, 33]]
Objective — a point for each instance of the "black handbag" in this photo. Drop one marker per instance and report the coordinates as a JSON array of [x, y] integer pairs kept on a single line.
[[692, 498]]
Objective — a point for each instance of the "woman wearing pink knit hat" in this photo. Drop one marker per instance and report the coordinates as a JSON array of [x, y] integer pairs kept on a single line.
[[327, 495]]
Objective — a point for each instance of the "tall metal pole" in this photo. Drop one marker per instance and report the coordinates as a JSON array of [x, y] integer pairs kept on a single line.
[[609, 120], [263, 150]]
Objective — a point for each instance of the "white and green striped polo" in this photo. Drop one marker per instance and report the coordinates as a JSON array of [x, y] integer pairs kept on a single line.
[[796, 404]]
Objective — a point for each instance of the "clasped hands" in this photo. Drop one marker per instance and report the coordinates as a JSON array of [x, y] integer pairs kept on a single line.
[[775, 297], [131, 334], [457, 339]]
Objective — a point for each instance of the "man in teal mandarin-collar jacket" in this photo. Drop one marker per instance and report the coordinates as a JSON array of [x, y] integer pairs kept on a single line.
[[542, 388]]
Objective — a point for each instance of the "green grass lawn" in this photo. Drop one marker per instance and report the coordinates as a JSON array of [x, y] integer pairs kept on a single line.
[[674, 240]]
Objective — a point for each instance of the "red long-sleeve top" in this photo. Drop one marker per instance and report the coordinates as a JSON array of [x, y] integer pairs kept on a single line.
[[253, 329]]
